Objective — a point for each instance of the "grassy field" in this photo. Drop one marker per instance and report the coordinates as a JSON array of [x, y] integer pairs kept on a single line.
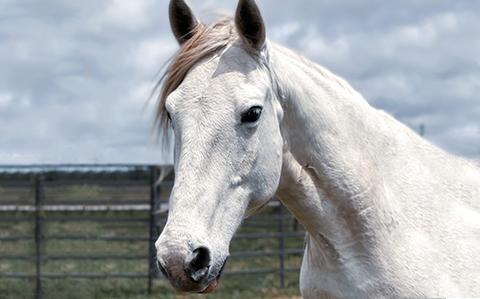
[[135, 289], [232, 286]]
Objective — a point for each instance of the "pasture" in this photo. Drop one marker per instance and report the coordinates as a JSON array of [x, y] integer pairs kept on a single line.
[[105, 253]]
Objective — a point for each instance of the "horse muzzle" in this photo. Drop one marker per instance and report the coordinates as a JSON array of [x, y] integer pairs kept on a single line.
[[193, 272]]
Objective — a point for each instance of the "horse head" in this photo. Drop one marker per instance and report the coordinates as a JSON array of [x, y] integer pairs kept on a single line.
[[219, 99]]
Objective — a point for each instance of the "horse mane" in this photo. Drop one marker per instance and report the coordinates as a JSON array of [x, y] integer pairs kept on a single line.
[[206, 42]]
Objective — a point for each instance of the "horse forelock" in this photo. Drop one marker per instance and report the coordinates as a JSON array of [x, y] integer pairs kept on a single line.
[[206, 42]]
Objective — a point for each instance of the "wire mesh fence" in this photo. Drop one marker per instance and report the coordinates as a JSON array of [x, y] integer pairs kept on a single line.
[[101, 222]]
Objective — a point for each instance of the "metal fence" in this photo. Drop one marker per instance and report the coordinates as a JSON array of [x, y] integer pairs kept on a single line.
[[42, 195]]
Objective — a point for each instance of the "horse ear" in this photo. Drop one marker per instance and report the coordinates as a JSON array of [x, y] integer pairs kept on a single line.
[[182, 20], [250, 25]]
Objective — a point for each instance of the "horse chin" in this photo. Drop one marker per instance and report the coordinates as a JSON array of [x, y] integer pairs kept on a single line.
[[214, 284], [255, 210], [211, 287]]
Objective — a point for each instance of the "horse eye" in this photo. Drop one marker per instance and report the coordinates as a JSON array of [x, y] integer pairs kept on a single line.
[[252, 115]]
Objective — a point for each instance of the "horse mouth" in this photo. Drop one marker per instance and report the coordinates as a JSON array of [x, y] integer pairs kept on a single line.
[[211, 287], [214, 284], [193, 287]]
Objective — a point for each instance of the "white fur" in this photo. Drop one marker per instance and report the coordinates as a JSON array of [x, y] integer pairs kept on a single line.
[[387, 213], [223, 169]]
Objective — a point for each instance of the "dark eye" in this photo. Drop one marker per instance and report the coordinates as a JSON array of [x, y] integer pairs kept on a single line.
[[168, 116], [252, 115]]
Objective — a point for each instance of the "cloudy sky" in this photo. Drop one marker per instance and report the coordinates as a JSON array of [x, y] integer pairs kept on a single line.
[[75, 76]]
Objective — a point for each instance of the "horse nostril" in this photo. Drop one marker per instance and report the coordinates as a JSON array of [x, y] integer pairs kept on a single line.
[[201, 258], [199, 264]]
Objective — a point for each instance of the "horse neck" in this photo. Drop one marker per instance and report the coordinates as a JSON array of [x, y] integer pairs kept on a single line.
[[334, 143], [328, 126]]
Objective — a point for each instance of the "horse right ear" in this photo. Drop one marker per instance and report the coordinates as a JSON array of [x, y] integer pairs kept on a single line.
[[182, 20], [250, 25]]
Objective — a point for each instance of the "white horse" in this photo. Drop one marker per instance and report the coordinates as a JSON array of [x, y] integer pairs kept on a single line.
[[387, 213]]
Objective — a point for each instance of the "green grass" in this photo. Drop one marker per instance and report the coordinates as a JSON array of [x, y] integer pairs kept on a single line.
[[232, 286], [91, 193]]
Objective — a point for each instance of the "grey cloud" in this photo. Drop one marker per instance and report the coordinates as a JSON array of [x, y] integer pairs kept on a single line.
[[422, 68], [75, 76]]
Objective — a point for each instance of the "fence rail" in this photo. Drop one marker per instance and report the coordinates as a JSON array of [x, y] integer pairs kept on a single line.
[[40, 207]]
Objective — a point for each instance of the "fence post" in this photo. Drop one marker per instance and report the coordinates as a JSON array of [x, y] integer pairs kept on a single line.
[[295, 224], [39, 195], [281, 240], [153, 232]]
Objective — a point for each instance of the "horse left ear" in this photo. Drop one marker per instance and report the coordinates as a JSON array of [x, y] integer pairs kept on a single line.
[[250, 25], [182, 20]]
